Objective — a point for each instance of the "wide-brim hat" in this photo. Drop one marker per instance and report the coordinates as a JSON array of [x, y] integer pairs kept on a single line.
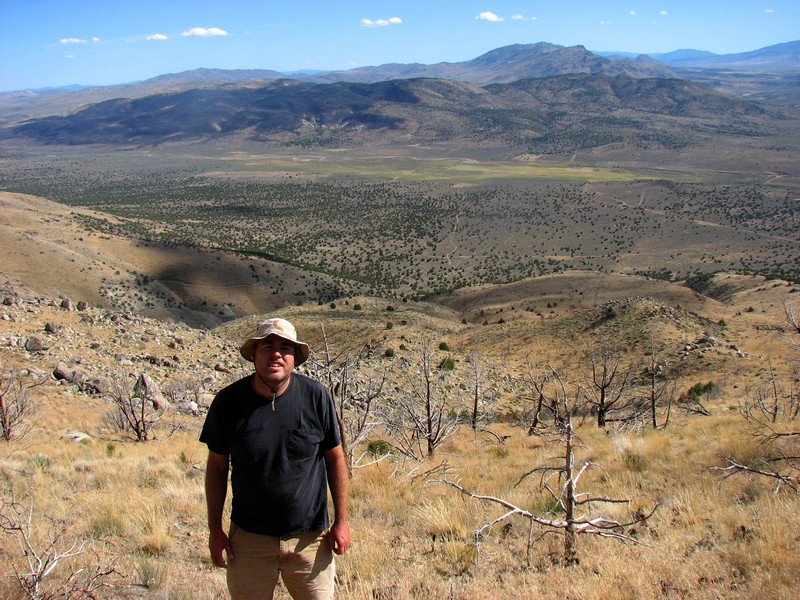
[[283, 329]]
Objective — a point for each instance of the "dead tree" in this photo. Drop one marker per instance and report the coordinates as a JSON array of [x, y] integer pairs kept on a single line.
[[355, 386], [792, 312], [16, 407], [482, 391], [658, 391], [534, 382], [607, 382], [771, 415], [48, 566], [136, 413], [560, 480], [424, 414]]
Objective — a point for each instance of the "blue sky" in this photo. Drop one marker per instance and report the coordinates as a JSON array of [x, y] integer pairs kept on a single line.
[[50, 43]]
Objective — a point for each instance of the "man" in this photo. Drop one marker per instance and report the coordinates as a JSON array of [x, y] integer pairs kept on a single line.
[[277, 430]]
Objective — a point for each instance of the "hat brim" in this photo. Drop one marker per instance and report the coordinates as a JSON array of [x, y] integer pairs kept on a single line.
[[300, 355]]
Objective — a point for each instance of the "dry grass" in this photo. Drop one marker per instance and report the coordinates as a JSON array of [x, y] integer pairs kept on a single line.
[[143, 505]]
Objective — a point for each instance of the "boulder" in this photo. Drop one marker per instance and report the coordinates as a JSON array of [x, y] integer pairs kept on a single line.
[[62, 372], [205, 400], [77, 436], [189, 408], [34, 344], [147, 389]]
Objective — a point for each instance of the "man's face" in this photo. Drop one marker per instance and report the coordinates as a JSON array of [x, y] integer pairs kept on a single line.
[[274, 359]]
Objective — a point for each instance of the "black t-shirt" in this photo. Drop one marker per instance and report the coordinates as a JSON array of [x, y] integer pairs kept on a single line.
[[276, 451]]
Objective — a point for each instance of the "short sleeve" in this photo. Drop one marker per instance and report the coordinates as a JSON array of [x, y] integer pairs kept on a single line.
[[213, 433]]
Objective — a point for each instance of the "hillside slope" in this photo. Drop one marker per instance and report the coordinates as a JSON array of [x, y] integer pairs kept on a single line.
[[554, 114]]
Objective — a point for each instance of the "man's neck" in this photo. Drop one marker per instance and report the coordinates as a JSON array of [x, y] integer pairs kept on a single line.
[[268, 390]]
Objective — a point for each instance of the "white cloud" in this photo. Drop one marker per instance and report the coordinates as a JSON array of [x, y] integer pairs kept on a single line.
[[77, 40], [606, 22], [632, 12], [518, 18], [381, 22], [490, 16], [157, 36], [203, 32], [663, 12], [769, 10]]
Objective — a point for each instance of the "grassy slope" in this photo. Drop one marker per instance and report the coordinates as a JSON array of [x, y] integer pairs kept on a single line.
[[143, 503]]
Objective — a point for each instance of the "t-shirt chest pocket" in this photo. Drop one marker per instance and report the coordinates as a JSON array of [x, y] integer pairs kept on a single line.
[[304, 443]]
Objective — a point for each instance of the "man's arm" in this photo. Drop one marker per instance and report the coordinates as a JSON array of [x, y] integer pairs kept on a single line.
[[216, 490], [336, 467]]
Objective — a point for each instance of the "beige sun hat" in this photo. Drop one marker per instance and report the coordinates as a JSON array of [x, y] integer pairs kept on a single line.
[[283, 329]]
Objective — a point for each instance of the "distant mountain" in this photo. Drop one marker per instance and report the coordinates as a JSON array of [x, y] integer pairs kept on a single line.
[[552, 114], [779, 56], [216, 75], [503, 65], [683, 57]]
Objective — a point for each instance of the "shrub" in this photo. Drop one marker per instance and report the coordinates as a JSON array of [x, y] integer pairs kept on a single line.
[[444, 346], [378, 448]]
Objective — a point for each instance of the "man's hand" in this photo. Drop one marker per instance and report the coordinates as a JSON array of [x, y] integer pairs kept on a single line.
[[218, 543], [339, 537]]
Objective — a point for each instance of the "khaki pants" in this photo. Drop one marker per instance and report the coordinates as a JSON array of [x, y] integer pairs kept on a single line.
[[305, 563]]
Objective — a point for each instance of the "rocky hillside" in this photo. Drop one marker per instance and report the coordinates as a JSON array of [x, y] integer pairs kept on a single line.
[[551, 115]]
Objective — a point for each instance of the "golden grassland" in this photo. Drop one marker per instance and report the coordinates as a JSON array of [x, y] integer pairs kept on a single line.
[[140, 508], [142, 505]]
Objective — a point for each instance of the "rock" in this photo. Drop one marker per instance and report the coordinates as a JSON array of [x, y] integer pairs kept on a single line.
[[147, 389], [205, 400], [77, 437], [82, 305], [36, 373], [80, 377], [66, 304], [50, 327], [62, 372], [189, 408], [34, 344]]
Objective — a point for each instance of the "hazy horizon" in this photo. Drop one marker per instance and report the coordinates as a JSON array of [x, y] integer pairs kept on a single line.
[[47, 44]]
